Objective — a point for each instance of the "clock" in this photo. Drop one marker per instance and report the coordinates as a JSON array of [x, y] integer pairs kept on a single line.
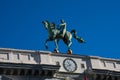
[[69, 65]]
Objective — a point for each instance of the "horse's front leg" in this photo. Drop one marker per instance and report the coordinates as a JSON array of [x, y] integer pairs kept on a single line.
[[46, 46], [56, 45]]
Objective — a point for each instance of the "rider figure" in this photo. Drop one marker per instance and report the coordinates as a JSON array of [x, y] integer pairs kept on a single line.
[[62, 28], [52, 25]]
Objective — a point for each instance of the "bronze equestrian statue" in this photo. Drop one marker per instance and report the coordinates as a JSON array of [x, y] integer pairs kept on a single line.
[[55, 34]]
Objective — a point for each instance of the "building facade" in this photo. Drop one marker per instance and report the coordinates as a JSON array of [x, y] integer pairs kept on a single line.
[[16, 64]]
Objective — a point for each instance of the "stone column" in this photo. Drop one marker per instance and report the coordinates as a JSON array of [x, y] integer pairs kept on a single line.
[[33, 72], [99, 77], [118, 78], [105, 77], [46, 73], [109, 78], [11, 71], [113, 78], [4, 71], [94, 77], [0, 77], [18, 72], [102, 77], [26, 71]]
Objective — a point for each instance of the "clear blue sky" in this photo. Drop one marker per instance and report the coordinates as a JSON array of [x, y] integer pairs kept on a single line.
[[97, 21]]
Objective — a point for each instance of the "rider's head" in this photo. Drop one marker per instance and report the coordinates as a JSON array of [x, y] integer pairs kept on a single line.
[[53, 25], [62, 21]]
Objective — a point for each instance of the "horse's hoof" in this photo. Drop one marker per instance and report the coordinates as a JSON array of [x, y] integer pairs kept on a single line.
[[69, 52], [56, 51]]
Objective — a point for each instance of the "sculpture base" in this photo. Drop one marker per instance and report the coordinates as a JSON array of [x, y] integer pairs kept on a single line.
[[69, 52]]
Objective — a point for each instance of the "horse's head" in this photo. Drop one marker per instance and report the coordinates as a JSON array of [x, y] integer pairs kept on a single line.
[[46, 24]]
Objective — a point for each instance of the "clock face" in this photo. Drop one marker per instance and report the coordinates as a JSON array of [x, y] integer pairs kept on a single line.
[[69, 65]]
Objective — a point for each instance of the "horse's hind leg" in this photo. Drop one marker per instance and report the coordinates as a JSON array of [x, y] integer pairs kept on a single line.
[[69, 44], [69, 47]]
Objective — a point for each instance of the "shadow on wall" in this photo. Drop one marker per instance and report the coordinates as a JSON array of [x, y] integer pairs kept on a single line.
[[36, 57]]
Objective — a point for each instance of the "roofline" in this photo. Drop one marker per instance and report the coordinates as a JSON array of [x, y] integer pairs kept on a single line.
[[59, 54], [22, 50], [103, 58]]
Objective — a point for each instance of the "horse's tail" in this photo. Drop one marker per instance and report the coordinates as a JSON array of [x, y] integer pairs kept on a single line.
[[79, 39]]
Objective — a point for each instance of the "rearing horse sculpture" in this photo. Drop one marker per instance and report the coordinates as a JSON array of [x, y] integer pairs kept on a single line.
[[54, 35]]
